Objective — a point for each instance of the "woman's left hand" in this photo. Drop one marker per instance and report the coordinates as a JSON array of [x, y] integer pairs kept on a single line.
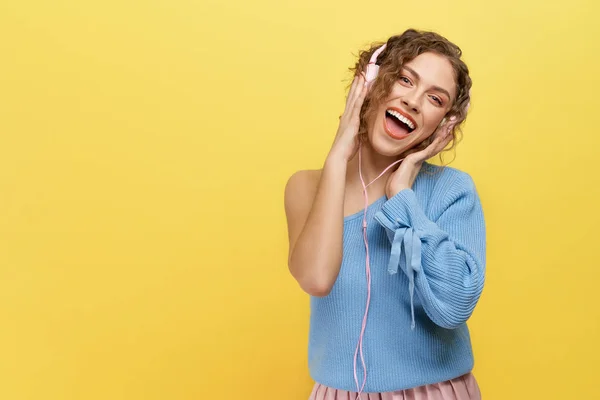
[[404, 176]]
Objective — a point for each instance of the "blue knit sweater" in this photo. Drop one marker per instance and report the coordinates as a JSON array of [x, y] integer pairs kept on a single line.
[[427, 253]]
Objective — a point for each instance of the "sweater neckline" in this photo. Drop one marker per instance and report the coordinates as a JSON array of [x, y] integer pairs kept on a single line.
[[359, 213]]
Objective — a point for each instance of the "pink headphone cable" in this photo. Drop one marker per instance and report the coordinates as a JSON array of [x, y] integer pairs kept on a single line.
[[359, 346]]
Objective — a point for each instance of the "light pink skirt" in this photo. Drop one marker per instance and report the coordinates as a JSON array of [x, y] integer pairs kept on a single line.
[[462, 388]]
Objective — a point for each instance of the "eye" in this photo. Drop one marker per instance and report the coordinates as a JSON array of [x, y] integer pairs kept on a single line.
[[405, 80], [437, 100]]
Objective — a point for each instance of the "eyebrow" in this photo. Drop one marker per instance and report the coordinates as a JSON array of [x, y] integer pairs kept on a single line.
[[418, 77]]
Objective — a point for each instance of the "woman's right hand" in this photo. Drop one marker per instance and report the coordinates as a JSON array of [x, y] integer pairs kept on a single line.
[[315, 206], [345, 143]]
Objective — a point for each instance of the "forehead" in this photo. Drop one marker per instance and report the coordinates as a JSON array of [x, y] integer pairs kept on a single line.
[[434, 70]]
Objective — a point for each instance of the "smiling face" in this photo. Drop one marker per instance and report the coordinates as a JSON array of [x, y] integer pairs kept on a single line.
[[417, 103]]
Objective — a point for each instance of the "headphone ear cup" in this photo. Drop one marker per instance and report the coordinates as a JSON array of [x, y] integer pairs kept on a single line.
[[371, 73]]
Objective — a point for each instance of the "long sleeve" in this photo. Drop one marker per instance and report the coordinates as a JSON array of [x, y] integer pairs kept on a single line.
[[444, 258]]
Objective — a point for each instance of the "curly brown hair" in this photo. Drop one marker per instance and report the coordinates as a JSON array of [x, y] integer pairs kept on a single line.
[[401, 49]]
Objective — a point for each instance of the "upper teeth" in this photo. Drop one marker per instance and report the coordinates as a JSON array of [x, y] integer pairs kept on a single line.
[[402, 118]]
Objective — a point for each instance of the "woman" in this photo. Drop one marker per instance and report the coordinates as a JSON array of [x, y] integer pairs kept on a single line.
[[392, 281]]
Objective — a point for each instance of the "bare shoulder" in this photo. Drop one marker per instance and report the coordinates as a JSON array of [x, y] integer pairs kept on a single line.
[[300, 191]]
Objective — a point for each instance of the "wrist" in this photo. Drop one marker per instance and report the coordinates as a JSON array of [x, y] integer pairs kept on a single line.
[[391, 192], [335, 162]]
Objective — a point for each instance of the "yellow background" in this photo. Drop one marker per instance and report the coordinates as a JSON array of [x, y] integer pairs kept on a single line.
[[144, 148]]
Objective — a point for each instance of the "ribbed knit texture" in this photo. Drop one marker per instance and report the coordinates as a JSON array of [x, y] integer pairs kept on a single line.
[[438, 226]]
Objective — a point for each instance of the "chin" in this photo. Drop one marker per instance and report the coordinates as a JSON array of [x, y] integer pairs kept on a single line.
[[384, 146], [387, 146]]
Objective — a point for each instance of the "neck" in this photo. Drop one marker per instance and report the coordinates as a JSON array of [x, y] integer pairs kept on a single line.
[[372, 165]]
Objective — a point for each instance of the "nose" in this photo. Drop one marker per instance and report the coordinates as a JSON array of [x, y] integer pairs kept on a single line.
[[410, 101]]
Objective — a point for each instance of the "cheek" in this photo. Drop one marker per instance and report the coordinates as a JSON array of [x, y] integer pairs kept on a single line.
[[398, 90], [372, 115], [433, 116]]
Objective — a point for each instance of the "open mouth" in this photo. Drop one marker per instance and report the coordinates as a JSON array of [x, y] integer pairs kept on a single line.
[[397, 124]]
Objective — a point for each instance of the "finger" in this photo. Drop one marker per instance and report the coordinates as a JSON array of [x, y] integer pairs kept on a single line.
[[439, 141], [447, 136], [440, 144], [427, 152], [359, 102], [350, 97], [446, 141], [360, 82]]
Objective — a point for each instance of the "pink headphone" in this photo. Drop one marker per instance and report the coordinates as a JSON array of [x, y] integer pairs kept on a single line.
[[370, 74], [372, 67]]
